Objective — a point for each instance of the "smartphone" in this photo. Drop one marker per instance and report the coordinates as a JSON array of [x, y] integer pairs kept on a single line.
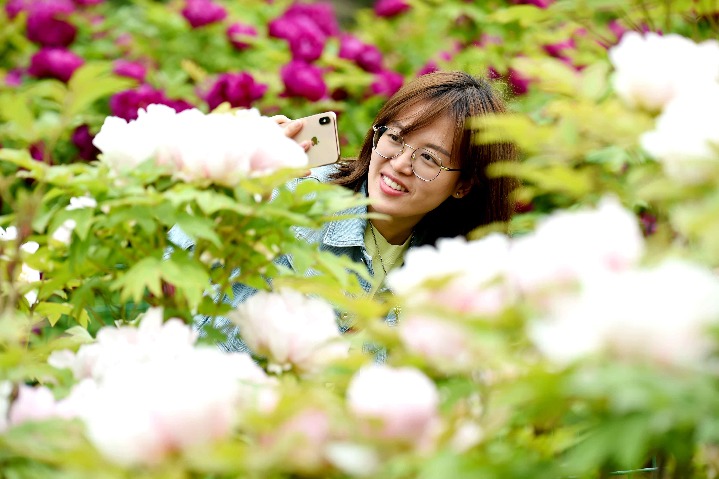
[[321, 130]]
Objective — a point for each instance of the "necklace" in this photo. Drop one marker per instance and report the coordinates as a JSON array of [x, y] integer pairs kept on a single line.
[[376, 247], [397, 309]]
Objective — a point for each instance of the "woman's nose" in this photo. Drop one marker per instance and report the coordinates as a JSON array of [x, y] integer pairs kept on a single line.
[[403, 163]]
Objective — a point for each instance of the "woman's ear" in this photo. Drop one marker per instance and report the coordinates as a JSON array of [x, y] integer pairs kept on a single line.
[[463, 187]]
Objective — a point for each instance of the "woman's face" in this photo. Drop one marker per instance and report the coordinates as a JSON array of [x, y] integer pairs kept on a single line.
[[393, 187]]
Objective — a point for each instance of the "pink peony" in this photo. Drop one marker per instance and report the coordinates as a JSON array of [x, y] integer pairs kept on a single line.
[[394, 403], [291, 330]]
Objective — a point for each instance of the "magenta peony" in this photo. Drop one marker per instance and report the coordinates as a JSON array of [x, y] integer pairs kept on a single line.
[[303, 80], [126, 104], [203, 12], [390, 8], [57, 63], [82, 139], [130, 69], [47, 23], [237, 31], [386, 83], [238, 89]]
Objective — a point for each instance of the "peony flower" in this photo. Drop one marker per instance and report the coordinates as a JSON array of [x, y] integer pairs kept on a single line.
[[47, 25], [368, 57], [180, 395], [441, 342], [13, 78], [305, 37], [390, 8], [219, 147], [302, 439], [386, 83], [652, 69], [32, 404], [321, 13], [126, 104], [203, 12], [54, 63], [291, 330], [471, 271], [568, 246], [658, 315], [536, 3], [394, 403], [303, 80], [237, 31], [134, 70], [518, 83], [558, 49], [82, 139], [238, 89], [686, 138]]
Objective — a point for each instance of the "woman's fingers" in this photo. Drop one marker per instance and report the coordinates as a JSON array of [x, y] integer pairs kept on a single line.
[[306, 145], [291, 127]]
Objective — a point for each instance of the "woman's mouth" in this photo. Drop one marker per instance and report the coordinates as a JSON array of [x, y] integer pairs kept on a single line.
[[393, 184]]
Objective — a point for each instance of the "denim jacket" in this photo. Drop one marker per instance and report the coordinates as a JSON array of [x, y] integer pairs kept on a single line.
[[341, 237]]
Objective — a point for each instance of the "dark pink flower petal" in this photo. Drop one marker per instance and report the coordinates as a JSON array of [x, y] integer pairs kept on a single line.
[[130, 69], [386, 83], [57, 63], [321, 13], [238, 89], [303, 80], [203, 12], [237, 31], [125, 104], [518, 83], [82, 139], [370, 59], [390, 8]]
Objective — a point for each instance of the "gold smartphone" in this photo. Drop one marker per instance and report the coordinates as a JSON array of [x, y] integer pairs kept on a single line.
[[321, 130]]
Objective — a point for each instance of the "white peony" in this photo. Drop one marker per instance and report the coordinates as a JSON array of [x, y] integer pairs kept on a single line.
[[442, 342], [394, 403], [651, 69], [291, 330], [567, 246], [658, 314], [145, 392], [686, 136], [219, 147], [474, 270]]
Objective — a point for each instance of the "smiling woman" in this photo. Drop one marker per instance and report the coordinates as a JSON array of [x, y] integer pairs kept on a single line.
[[424, 173]]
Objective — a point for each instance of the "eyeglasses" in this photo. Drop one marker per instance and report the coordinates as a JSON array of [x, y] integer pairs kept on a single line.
[[388, 143]]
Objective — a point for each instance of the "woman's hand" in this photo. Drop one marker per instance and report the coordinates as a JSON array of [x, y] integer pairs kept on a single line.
[[291, 128]]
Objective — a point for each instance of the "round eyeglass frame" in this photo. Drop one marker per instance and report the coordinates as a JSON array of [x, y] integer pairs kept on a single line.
[[377, 128]]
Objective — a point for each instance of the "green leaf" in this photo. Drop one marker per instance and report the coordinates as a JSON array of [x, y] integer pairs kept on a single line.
[[187, 276], [145, 274], [53, 311], [91, 82]]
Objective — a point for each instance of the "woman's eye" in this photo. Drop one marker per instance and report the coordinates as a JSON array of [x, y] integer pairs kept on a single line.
[[394, 137], [428, 158]]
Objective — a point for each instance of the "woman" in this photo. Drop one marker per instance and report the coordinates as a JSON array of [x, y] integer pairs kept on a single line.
[[421, 169]]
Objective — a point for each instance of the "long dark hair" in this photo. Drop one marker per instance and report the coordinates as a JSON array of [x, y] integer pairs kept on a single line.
[[463, 96]]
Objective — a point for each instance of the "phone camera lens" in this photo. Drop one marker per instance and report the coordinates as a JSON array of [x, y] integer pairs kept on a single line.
[[324, 120]]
